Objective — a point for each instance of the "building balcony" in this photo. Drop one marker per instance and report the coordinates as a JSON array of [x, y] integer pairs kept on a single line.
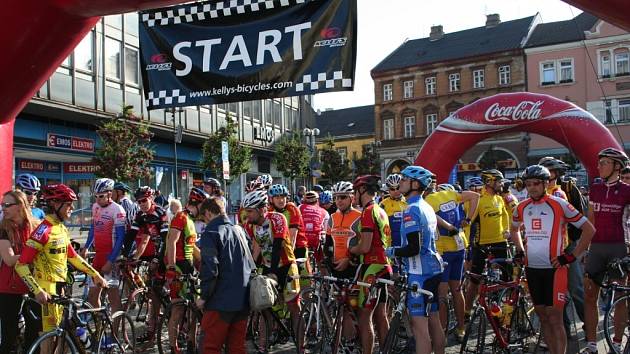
[[416, 141]]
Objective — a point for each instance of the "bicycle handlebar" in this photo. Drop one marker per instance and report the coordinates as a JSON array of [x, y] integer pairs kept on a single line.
[[413, 287]]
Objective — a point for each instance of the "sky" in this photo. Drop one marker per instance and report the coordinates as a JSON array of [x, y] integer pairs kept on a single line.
[[384, 25]]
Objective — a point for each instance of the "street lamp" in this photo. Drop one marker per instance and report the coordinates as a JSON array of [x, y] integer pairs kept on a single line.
[[310, 135], [177, 139]]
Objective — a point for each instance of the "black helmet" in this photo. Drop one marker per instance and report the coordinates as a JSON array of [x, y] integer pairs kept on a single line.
[[615, 155], [553, 164], [536, 172], [491, 175]]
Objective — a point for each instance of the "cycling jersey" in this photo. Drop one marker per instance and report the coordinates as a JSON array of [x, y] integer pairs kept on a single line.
[[520, 195], [187, 238], [394, 209], [274, 227], [154, 224], [374, 220], [315, 219], [446, 205], [420, 217], [510, 202], [131, 209], [493, 219], [107, 232], [556, 191], [545, 223], [609, 201], [341, 228], [294, 220]]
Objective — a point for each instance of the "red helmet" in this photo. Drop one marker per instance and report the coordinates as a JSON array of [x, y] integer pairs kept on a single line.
[[197, 195], [58, 192], [143, 192], [371, 181]]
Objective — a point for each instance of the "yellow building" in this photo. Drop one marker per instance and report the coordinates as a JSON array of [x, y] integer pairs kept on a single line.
[[351, 128]]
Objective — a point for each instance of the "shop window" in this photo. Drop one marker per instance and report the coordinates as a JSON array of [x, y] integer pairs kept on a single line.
[[264, 164]]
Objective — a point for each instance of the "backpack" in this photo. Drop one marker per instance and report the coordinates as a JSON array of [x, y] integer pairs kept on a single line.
[[576, 199]]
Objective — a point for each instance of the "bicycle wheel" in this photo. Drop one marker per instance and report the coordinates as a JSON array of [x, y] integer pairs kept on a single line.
[[117, 336], [179, 338], [62, 342], [523, 329], [260, 330], [475, 338], [312, 330], [618, 312], [392, 335]]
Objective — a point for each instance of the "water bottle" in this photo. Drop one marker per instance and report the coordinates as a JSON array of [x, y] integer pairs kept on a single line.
[[84, 337], [507, 310], [495, 310]]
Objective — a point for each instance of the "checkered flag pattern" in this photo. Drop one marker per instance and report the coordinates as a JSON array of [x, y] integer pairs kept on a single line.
[[162, 98], [201, 12], [322, 81]]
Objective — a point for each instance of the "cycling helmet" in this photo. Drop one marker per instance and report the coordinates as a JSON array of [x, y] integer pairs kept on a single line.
[[553, 164], [197, 195], [27, 181], [278, 190], [265, 180], [58, 192], [536, 172], [326, 197], [213, 182], [103, 185], [393, 180], [143, 192], [255, 199], [371, 182], [418, 173], [615, 155], [311, 197], [342, 187], [445, 187], [475, 182], [491, 175], [120, 186], [318, 188], [253, 185]]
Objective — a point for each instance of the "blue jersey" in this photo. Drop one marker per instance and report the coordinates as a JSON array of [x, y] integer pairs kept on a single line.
[[38, 214], [420, 217]]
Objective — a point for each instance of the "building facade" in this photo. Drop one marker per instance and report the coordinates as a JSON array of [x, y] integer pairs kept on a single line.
[[424, 80], [55, 135], [585, 61]]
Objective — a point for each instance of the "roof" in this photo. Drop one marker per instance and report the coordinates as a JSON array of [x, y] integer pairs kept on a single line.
[[562, 31], [472, 42], [347, 121]]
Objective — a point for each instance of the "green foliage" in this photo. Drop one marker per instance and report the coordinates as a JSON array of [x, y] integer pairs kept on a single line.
[[333, 167], [125, 154], [292, 156], [240, 155], [368, 164]]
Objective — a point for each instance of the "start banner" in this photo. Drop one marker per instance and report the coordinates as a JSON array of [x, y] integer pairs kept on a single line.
[[237, 50]]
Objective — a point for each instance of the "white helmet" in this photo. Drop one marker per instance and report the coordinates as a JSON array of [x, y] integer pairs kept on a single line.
[[393, 180], [103, 185], [342, 187], [255, 199]]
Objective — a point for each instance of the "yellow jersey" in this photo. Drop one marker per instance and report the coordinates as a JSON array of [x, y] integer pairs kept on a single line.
[[493, 217], [448, 206], [394, 209]]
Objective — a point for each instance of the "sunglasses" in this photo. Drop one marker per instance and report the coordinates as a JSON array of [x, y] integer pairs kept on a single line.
[[100, 196], [7, 205], [393, 189], [29, 193], [341, 197], [142, 201]]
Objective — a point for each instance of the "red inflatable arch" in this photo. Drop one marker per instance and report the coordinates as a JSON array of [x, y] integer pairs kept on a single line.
[[559, 120]]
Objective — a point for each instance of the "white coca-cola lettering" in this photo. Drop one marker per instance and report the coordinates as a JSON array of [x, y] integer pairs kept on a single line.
[[525, 110]]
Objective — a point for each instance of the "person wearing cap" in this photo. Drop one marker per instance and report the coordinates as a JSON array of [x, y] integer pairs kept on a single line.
[[212, 186], [120, 196], [315, 219], [30, 185]]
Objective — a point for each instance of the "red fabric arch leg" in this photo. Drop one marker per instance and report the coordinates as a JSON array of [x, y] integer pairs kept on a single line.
[[6, 156]]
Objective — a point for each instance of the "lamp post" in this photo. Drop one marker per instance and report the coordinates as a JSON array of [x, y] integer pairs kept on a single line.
[[177, 138], [310, 135]]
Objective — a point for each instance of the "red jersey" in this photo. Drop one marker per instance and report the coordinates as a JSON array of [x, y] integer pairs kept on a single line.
[[609, 201], [375, 220], [314, 218], [274, 227], [294, 220]]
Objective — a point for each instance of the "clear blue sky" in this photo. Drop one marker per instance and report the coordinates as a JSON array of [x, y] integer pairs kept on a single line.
[[384, 25]]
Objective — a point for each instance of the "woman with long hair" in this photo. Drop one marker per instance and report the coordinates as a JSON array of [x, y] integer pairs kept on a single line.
[[15, 228]]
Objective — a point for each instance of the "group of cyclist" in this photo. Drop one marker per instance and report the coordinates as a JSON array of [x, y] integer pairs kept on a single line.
[[360, 230]]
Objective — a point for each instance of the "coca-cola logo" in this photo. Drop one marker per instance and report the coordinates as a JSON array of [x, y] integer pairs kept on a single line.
[[525, 110]]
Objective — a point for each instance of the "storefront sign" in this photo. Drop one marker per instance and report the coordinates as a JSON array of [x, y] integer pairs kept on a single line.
[[263, 134], [80, 167], [31, 165], [69, 142], [53, 167], [473, 166]]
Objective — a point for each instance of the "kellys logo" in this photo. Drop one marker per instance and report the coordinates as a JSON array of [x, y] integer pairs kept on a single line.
[[159, 62], [332, 37]]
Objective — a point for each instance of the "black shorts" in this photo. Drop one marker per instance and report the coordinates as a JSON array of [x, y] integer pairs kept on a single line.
[[599, 255], [548, 286], [479, 255]]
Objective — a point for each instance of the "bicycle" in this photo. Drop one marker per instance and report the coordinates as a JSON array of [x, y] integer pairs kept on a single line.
[[187, 326], [106, 336], [617, 269]]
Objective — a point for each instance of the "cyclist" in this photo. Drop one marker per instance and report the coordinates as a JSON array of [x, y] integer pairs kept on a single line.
[[48, 251], [107, 232], [272, 247], [181, 253], [120, 196], [492, 229], [451, 245], [326, 202], [422, 261], [266, 181], [544, 218], [315, 219], [518, 189], [394, 206], [212, 187], [374, 237], [30, 185], [509, 199], [607, 201], [251, 186]]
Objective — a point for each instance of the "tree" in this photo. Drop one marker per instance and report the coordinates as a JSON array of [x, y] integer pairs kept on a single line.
[[368, 164], [292, 156], [333, 167], [125, 153], [240, 155]]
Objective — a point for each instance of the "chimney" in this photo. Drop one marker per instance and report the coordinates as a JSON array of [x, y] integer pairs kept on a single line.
[[492, 20], [436, 33]]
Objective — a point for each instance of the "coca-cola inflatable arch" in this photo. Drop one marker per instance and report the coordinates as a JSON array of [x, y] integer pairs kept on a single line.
[[559, 120]]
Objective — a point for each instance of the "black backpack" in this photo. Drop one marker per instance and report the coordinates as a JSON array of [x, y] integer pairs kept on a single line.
[[578, 201]]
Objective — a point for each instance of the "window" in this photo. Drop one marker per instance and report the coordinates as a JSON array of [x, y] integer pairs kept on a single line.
[[112, 58], [504, 75], [131, 66], [453, 82], [604, 64], [256, 109], [478, 81], [343, 153], [624, 110], [247, 109], [83, 53], [429, 85], [431, 122], [566, 71], [388, 129], [387, 92], [114, 21], [548, 73], [609, 113], [410, 127], [622, 64], [277, 112], [131, 23], [408, 89]]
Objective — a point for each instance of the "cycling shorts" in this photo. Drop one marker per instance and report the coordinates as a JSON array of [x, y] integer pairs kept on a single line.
[[304, 267], [599, 255], [370, 297], [418, 304], [548, 287], [288, 286], [454, 265], [178, 288], [479, 256], [52, 314]]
